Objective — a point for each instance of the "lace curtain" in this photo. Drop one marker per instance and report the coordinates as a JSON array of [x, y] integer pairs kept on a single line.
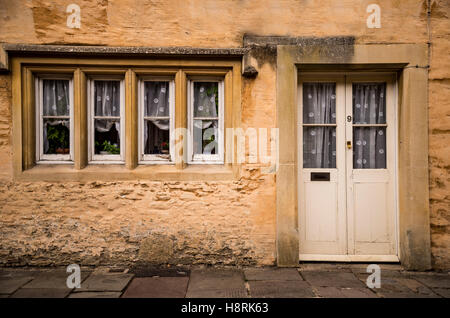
[[56, 103], [319, 142], [369, 143], [156, 105], [205, 117], [107, 104]]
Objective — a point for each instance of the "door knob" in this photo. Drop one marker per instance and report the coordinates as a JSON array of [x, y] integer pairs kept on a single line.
[[349, 145]]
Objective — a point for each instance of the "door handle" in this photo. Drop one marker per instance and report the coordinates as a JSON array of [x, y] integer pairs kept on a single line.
[[349, 145]]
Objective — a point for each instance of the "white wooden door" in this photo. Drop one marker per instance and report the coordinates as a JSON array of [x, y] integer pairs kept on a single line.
[[371, 170], [322, 220], [347, 160]]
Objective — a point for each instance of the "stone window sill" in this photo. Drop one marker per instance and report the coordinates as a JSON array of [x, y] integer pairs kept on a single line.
[[62, 172]]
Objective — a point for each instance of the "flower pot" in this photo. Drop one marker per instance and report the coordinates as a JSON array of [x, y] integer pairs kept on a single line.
[[165, 151]]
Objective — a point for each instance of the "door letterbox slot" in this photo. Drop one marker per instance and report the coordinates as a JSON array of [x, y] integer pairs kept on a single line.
[[320, 176]]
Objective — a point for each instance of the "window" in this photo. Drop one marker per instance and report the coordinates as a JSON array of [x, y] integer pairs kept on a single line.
[[106, 113], [206, 121], [319, 125], [54, 135], [156, 120]]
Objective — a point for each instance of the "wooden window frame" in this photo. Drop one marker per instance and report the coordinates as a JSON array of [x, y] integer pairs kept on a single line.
[[202, 158], [26, 69], [104, 159], [148, 159], [42, 158]]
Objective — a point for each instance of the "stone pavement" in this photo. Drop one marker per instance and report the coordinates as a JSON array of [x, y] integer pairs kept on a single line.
[[310, 280]]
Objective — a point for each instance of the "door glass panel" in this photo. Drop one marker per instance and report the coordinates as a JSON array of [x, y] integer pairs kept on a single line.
[[319, 120], [319, 103], [369, 125], [369, 103], [319, 147], [369, 147]]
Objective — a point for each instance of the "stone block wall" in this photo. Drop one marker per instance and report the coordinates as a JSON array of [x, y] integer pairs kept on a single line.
[[198, 222]]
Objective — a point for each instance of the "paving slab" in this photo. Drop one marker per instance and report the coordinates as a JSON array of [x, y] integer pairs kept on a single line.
[[216, 283], [434, 280], [391, 285], [95, 295], [334, 292], [103, 282], [9, 285], [399, 285], [415, 285], [332, 279], [218, 293], [385, 272], [280, 289], [272, 273], [41, 293], [443, 292], [18, 272], [148, 270], [157, 287], [406, 295], [51, 279]]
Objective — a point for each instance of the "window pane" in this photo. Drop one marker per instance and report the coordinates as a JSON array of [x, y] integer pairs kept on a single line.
[[156, 99], [319, 147], [107, 98], [369, 147], [319, 103], [369, 103], [56, 98], [107, 136], [56, 136], [206, 137], [156, 137], [206, 99]]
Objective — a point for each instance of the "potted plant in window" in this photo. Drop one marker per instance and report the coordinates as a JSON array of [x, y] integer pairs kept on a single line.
[[58, 138], [164, 148], [108, 149]]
